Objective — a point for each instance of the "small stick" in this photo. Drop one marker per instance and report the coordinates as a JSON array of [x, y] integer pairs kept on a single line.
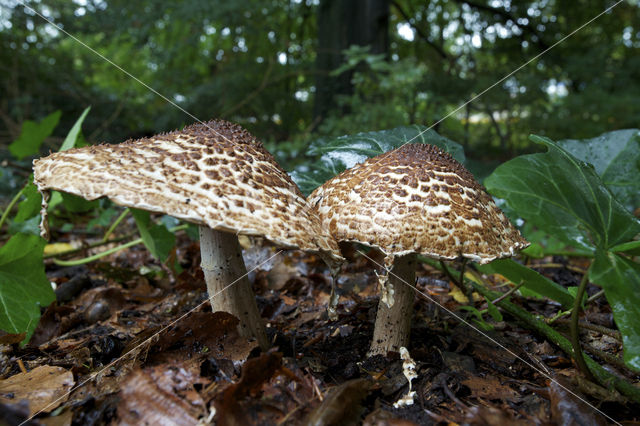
[[508, 293]]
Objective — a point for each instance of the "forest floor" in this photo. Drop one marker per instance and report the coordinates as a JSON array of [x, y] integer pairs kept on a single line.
[[121, 346]]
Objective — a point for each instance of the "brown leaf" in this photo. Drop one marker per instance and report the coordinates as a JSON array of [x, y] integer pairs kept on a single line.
[[255, 373], [342, 406], [215, 331], [568, 409], [10, 339], [45, 388], [147, 401], [490, 387]]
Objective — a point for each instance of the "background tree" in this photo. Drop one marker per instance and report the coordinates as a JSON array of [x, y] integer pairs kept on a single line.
[[271, 66]]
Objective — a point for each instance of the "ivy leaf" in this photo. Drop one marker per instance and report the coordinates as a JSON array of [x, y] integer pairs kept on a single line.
[[157, 238], [30, 206], [33, 134], [532, 280], [563, 196], [616, 158], [620, 279], [24, 287], [345, 152]]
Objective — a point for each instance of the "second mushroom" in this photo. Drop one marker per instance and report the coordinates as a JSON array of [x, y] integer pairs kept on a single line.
[[213, 174], [413, 200]]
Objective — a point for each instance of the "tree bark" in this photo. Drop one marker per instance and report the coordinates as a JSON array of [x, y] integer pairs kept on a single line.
[[343, 23], [228, 286]]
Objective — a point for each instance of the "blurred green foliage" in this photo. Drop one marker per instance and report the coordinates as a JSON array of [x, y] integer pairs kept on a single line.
[[254, 62]]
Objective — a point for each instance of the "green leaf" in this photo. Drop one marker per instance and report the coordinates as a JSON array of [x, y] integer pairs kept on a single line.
[[157, 238], [632, 248], [76, 204], [30, 206], [564, 197], [72, 136], [620, 279], [346, 151], [24, 287], [32, 135], [616, 158], [29, 226], [493, 310], [517, 273]]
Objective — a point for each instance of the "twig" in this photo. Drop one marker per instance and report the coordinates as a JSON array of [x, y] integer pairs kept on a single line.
[[595, 296], [508, 293], [460, 284], [595, 327], [574, 328]]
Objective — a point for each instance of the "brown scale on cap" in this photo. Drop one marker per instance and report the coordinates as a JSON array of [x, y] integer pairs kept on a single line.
[[416, 199], [215, 174]]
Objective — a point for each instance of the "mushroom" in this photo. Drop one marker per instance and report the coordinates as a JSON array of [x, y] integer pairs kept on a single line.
[[214, 174], [413, 200]]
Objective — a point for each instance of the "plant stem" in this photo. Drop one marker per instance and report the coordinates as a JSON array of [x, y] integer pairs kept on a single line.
[[459, 283], [98, 255], [109, 251], [115, 224], [13, 201], [603, 376], [574, 327]]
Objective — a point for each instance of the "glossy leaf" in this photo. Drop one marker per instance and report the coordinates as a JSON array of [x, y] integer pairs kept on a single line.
[[616, 158], [563, 196], [24, 287], [157, 238], [32, 135], [346, 151], [517, 273], [620, 279]]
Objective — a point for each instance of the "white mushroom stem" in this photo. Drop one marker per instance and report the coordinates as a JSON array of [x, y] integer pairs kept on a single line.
[[393, 324], [227, 283]]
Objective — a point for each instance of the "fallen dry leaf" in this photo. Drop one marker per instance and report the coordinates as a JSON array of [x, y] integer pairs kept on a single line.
[[45, 388], [489, 387], [567, 409], [343, 405], [145, 402], [255, 373]]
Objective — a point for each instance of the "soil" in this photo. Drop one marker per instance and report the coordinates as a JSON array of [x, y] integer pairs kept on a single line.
[[131, 341]]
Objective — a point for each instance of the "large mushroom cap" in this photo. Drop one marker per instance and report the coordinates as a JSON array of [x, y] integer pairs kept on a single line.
[[416, 199], [214, 174]]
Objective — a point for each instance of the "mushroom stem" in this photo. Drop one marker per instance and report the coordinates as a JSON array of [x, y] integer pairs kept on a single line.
[[393, 324], [228, 286]]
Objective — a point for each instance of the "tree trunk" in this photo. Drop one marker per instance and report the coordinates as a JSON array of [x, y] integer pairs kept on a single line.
[[343, 23]]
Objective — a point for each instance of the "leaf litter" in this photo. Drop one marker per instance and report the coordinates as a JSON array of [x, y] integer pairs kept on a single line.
[[117, 315]]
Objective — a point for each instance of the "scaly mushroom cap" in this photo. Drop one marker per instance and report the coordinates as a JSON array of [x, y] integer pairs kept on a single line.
[[418, 199], [215, 174]]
